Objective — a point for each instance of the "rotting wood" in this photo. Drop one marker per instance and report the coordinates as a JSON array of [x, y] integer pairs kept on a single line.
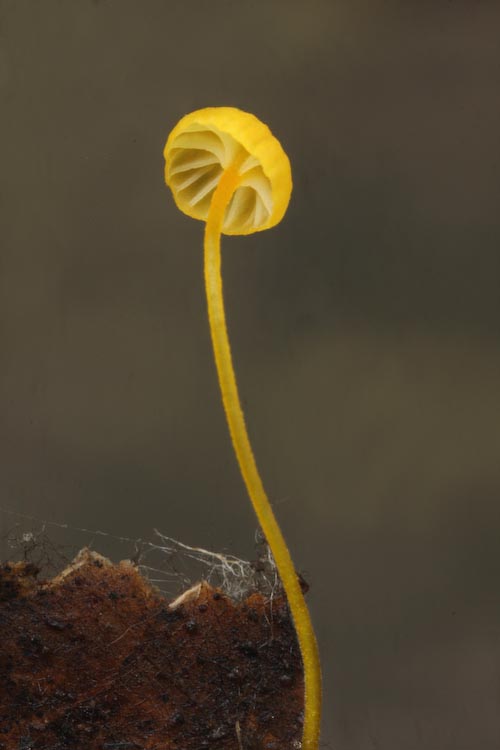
[[97, 659]]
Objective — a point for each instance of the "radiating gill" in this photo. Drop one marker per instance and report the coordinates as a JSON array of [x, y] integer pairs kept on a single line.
[[261, 213], [184, 159], [185, 179], [241, 209], [204, 186], [249, 163], [205, 140], [257, 180]]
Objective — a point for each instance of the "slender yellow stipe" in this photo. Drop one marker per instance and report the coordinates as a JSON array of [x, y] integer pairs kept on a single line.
[[225, 167]]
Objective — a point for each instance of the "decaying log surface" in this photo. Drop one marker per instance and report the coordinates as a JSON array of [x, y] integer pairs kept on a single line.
[[96, 659]]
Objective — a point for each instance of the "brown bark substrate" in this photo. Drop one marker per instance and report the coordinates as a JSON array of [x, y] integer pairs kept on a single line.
[[97, 660]]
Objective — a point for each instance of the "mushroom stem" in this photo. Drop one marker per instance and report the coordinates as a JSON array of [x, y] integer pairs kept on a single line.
[[248, 467]]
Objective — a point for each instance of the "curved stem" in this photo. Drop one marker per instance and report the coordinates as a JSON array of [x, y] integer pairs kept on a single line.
[[246, 460]]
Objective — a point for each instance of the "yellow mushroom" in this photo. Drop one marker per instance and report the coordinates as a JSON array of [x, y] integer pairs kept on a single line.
[[226, 168]]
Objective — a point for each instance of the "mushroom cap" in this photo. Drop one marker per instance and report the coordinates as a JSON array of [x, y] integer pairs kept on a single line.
[[205, 143]]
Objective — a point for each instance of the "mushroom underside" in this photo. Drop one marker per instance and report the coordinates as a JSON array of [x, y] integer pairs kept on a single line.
[[195, 164]]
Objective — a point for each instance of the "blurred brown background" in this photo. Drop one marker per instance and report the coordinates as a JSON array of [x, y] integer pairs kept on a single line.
[[365, 328]]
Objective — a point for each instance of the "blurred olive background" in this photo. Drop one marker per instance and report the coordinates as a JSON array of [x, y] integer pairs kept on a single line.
[[365, 328]]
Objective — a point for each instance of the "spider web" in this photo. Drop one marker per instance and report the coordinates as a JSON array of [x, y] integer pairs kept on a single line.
[[170, 565]]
